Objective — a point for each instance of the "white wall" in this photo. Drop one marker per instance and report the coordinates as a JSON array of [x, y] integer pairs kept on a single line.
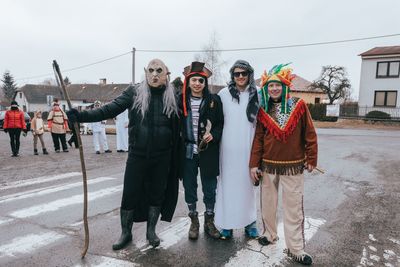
[[369, 83]]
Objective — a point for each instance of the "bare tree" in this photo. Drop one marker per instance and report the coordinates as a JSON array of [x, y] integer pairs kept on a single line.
[[212, 57], [334, 82]]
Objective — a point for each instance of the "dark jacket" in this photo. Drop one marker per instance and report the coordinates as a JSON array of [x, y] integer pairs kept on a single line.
[[210, 109], [147, 138]]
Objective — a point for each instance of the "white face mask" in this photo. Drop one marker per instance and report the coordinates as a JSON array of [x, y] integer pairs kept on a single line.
[[156, 73]]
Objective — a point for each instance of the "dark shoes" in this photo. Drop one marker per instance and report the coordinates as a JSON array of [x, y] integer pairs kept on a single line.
[[35, 152], [70, 143], [302, 258], [108, 151], [65, 150], [194, 226], [126, 226], [154, 213], [263, 241], [45, 151], [97, 152], [209, 226]]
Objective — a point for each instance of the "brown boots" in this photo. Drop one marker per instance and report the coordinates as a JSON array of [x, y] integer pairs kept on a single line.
[[209, 226], [194, 226]]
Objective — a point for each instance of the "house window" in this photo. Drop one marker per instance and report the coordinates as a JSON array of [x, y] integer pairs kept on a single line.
[[63, 107], [385, 98], [388, 69], [20, 95], [24, 108], [317, 100]]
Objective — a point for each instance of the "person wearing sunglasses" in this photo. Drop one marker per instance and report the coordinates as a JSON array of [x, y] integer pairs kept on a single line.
[[236, 195], [285, 144], [202, 124]]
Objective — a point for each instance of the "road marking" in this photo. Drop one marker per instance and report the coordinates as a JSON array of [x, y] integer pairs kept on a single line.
[[49, 190], [256, 255], [27, 244], [102, 261], [64, 202], [38, 180]]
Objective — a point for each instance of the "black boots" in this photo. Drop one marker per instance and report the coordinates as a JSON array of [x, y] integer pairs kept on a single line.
[[45, 151], [194, 226], [209, 226], [126, 226], [35, 152], [154, 213]]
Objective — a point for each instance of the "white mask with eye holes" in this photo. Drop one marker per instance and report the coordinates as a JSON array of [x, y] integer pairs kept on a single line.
[[156, 73]]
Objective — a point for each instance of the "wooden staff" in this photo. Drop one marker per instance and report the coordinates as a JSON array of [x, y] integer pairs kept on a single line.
[[64, 93]]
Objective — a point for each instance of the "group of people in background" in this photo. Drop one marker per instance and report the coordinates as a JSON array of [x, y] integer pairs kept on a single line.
[[59, 125], [240, 138]]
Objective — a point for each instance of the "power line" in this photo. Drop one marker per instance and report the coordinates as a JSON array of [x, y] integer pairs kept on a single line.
[[76, 68], [270, 47], [216, 50]]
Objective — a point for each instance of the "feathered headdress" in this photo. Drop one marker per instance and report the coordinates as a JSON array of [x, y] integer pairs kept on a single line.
[[279, 74]]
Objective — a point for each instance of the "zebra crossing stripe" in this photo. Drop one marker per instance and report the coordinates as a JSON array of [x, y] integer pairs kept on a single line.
[[49, 190], [64, 202], [27, 244], [38, 180]]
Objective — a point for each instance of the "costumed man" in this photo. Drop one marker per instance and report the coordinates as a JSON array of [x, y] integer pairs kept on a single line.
[[236, 194], [284, 145], [151, 176], [99, 133], [57, 123], [121, 125], [202, 124], [14, 123]]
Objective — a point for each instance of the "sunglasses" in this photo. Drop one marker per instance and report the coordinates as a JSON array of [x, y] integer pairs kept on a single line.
[[200, 80], [243, 73]]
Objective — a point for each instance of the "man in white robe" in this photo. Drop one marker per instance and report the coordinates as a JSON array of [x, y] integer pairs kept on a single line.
[[121, 125], [236, 195]]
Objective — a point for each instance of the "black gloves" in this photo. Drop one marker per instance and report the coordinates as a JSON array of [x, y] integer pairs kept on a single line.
[[73, 115], [5, 130]]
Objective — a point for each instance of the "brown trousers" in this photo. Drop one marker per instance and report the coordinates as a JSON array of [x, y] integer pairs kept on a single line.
[[293, 219], [35, 139]]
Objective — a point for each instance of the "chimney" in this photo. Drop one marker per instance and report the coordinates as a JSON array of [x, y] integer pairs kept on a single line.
[[103, 81]]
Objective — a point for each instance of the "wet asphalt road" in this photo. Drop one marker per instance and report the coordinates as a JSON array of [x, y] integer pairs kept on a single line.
[[352, 211]]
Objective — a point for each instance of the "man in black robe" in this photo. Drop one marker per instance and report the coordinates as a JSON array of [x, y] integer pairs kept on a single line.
[[151, 174]]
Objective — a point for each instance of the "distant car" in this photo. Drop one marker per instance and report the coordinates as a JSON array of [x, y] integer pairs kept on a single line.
[[27, 120]]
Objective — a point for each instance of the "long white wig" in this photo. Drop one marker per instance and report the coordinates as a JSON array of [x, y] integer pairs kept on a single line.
[[141, 99]]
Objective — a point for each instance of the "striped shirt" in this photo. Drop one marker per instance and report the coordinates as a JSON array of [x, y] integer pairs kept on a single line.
[[195, 104]]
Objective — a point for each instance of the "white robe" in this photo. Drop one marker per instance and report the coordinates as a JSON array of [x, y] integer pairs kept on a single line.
[[236, 195], [121, 124]]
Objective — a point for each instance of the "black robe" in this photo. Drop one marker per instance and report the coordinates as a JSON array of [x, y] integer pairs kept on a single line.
[[117, 106]]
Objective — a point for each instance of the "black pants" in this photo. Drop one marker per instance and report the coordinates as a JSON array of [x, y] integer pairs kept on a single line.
[[209, 184], [145, 181], [14, 139], [56, 141], [73, 139]]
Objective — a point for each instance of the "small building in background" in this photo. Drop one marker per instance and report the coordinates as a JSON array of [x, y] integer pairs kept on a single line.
[[380, 80]]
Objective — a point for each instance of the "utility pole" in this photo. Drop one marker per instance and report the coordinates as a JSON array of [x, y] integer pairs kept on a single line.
[[133, 65]]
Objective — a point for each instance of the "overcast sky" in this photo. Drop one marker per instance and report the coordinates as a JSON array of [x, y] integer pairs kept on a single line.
[[75, 33]]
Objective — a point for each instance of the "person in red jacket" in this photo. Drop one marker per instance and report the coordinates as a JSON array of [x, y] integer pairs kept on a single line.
[[14, 123]]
